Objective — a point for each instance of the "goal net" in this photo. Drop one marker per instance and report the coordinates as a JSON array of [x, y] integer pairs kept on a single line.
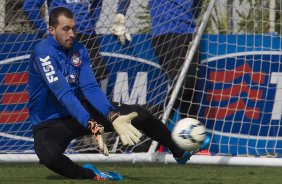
[[225, 72]]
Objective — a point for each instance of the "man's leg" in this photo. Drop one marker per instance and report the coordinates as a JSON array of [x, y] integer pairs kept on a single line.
[[171, 50], [151, 126], [50, 141], [146, 122]]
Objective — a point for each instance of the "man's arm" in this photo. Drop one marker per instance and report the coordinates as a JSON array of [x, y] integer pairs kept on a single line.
[[94, 94], [32, 11], [91, 89], [53, 77], [123, 6], [95, 10], [55, 80]]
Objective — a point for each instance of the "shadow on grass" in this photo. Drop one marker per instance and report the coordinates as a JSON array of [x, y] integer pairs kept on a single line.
[[56, 177], [141, 178]]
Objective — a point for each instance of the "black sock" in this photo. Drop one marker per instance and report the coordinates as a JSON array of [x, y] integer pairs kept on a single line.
[[176, 151]]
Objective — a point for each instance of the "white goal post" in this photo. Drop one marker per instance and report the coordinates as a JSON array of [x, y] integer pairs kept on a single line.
[[238, 91], [150, 158]]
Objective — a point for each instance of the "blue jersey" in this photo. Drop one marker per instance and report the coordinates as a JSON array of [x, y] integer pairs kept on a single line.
[[86, 12], [85, 19], [59, 79], [172, 16]]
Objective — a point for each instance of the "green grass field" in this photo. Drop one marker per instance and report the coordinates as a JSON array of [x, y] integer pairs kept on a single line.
[[150, 173]]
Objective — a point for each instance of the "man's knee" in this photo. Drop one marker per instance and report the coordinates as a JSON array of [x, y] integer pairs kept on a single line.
[[48, 158], [142, 112], [144, 119]]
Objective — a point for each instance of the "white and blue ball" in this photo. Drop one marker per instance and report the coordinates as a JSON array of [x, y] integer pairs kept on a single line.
[[189, 134]]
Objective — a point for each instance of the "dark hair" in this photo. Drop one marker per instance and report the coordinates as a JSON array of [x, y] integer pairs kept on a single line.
[[54, 15]]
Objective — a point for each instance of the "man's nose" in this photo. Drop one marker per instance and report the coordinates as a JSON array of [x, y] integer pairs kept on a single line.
[[71, 33]]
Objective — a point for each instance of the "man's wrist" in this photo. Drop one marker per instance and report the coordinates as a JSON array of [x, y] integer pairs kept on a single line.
[[112, 116], [90, 121]]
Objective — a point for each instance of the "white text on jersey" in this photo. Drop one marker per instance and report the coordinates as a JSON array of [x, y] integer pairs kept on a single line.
[[48, 69]]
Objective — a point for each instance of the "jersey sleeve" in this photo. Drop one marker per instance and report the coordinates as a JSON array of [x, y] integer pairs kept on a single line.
[[123, 6], [45, 62], [32, 11], [95, 10], [91, 89]]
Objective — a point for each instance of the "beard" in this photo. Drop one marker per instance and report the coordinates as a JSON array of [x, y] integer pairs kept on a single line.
[[65, 43], [68, 44]]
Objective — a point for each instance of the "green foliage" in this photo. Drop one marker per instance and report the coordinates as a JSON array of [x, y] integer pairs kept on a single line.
[[256, 19], [252, 16], [145, 20], [217, 23], [278, 19], [15, 19]]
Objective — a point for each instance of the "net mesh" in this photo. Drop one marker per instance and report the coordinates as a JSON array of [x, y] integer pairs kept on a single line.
[[239, 60]]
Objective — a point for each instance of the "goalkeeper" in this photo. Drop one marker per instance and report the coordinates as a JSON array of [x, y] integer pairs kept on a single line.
[[87, 13], [59, 76]]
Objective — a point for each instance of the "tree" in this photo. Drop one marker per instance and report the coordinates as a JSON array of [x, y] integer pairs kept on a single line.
[[145, 20], [217, 23], [255, 20], [15, 19], [230, 16]]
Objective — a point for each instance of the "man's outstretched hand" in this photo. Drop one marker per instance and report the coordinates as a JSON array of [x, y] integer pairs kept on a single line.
[[129, 135]]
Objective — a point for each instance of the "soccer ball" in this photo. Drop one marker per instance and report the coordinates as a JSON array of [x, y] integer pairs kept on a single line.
[[188, 134]]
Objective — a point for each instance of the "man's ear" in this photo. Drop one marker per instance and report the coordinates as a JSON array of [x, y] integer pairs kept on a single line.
[[52, 30]]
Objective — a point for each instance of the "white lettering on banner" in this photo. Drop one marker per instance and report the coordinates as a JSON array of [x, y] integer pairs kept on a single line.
[[139, 90], [276, 78], [48, 69]]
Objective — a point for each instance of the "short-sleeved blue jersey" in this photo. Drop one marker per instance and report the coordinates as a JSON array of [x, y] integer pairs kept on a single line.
[[85, 19], [59, 79], [86, 12], [172, 16]]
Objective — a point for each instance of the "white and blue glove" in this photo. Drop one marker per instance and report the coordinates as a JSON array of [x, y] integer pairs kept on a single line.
[[119, 29]]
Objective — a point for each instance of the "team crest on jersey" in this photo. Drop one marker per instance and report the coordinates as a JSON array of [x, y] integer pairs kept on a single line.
[[76, 60]]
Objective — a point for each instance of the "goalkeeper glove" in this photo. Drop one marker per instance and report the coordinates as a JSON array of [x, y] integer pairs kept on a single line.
[[119, 29], [97, 131], [129, 135]]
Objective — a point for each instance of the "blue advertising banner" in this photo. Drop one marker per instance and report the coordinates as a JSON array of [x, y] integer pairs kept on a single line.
[[241, 105]]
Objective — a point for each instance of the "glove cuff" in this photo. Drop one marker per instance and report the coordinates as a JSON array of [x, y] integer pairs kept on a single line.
[[112, 116]]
